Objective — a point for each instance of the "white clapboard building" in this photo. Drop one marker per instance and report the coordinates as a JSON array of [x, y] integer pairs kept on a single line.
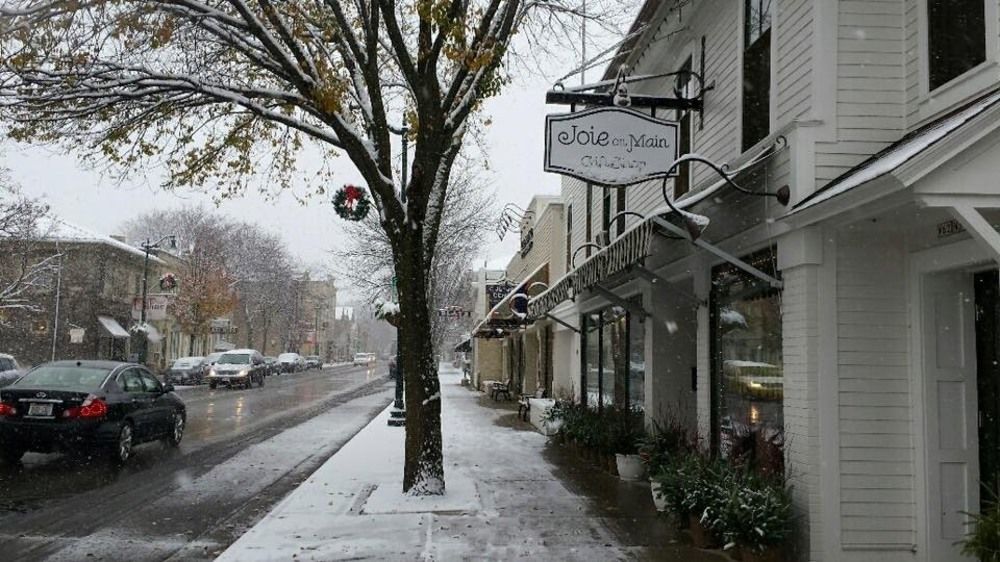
[[857, 322]]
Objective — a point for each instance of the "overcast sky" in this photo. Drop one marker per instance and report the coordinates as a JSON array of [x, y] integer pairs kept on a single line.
[[514, 140]]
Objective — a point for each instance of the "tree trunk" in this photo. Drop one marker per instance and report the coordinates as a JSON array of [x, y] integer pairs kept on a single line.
[[423, 472], [191, 344]]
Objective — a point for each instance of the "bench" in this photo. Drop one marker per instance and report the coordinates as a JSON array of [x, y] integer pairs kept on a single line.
[[499, 388], [524, 403]]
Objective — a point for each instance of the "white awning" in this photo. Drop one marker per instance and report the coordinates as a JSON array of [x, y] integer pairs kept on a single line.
[[112, 327], [152, 334]]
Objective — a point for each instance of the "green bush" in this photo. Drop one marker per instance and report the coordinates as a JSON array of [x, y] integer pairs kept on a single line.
[[983, 542], [755, 512], [666, 441]]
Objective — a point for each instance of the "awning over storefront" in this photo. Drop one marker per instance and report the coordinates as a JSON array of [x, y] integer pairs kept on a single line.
[[511, 313], [627, 252], [152, 334], [111, 327], [465, 346]]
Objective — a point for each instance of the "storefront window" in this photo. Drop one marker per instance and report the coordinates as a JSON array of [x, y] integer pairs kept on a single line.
[[592, 364], [747, 362], [614, 366], [637, 361]]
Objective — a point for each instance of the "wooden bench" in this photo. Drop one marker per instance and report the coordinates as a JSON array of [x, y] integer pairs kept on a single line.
[[524, 404], [499, 388]]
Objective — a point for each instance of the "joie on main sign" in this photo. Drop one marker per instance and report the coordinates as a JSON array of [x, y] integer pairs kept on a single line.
[[611, 146]]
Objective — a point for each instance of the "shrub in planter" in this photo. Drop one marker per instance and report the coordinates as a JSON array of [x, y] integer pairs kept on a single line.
[[675, 477], [755, 513], [663, 443], [983, 541]]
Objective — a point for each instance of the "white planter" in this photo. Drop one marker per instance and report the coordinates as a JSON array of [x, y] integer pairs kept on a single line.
[[659, 502], [630, 467]]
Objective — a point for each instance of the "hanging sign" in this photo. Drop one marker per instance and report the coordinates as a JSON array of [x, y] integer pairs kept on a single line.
[[611, 146], [76, 335], [496, 292]]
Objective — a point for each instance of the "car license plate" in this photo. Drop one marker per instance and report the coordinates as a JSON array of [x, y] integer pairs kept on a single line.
[[39, 409]]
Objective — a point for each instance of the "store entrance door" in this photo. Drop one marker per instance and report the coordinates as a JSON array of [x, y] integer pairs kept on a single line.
[[950, 415], [988, 382]]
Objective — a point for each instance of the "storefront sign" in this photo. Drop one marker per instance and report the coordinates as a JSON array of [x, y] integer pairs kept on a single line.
[[76, 335], [156, 307], [610, 146], [949, 228], [496, 292]]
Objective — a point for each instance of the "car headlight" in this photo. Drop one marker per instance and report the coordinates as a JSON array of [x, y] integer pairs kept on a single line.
[[243, 372], [211, 372]]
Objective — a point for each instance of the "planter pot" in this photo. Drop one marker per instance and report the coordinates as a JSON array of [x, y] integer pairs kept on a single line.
[[658, 501], [700, 536], [772, 554], [630, 467]]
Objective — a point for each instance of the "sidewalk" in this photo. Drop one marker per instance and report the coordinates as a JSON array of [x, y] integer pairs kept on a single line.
[[508, 498]]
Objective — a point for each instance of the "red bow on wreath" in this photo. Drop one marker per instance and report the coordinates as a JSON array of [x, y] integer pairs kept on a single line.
[[353, 194], [351, 202]]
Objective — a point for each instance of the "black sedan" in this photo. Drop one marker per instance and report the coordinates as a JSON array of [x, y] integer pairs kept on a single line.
[[87, 407]]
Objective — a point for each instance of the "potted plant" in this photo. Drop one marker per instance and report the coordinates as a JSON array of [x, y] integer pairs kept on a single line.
[[755, 516], [624, 435], [983, 541], [659, 448], [672, 480], [704, 486]]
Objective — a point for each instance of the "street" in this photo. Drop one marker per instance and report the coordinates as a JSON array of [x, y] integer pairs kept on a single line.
[[242, 452]]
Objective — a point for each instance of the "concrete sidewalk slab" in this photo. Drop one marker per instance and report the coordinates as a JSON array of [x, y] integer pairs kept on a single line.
[[503, 501]]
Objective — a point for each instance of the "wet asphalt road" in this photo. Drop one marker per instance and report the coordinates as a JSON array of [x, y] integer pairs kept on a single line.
[[243, 450]]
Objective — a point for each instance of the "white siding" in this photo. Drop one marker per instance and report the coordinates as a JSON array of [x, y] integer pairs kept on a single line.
[[799, 331], [793, 60], [871, 87], [876, 449]]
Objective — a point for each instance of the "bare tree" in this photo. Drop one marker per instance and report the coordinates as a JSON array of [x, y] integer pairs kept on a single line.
[[219, 90], [25, 271], [204, 286], [469, 213]]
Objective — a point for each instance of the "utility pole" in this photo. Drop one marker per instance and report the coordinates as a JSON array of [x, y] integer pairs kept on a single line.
[[148, 247]]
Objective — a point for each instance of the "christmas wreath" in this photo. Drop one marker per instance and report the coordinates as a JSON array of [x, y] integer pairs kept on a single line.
[[168, 282], [351, 203]]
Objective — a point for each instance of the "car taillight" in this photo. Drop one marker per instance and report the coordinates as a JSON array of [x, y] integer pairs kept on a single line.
[[92, 407], [7, 410]]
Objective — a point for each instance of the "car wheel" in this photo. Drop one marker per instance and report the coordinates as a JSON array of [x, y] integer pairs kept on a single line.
[[177, 424], [211, 386], [11, 455], [123, 445]]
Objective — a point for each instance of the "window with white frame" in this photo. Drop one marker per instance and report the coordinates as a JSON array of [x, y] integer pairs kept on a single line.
[[756, 71], [956, 39]]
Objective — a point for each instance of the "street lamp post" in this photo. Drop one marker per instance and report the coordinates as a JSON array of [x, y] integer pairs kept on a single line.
[[147, 247], [397, 417]]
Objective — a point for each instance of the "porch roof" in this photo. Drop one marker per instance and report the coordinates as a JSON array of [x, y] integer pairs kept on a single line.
[[912, 145]]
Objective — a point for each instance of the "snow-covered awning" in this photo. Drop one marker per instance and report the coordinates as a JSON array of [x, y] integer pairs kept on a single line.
[[465, 346], [112, 327], [625, 251], [512, 311], [896, 155]]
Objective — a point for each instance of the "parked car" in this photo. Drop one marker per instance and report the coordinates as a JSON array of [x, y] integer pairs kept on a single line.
[[313, 362], [186, 370], [238, 368], [291, 362], [273, 366], [9, 369], [91, 407]]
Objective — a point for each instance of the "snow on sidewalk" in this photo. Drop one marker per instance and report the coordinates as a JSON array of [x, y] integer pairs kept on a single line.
[[502, 500]]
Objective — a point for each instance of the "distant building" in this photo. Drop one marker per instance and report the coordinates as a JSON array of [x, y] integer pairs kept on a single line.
[[86, 312]]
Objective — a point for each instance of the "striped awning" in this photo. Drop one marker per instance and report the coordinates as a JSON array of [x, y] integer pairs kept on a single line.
[[626, 250]]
